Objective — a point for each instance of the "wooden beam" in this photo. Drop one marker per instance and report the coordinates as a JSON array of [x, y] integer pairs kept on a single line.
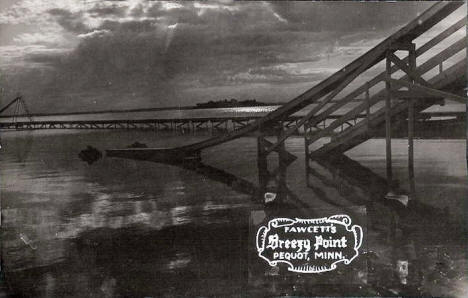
[[388, 125], [407, 95], [402, 46], [307, 130], [262, 164], [357, 134], [412, 68], [10, 104], [283, 163], [365, 65], [426, 66], [288, 157], [443, 55], [443, 35], [411, 73], [367, 106], [429, 91], [359, 129]]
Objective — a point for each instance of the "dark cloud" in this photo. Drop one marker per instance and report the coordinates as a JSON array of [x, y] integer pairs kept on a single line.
[[129, 27], [107, 11], [71, 22], [155, 59], [346, 16], [48, 59]]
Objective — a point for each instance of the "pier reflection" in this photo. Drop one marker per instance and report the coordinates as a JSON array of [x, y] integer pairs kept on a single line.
[[411, 245], [409, 249], [20, 145], [277, 195]]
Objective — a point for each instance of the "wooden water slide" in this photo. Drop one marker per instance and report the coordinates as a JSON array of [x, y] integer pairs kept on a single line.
[[329, 87]]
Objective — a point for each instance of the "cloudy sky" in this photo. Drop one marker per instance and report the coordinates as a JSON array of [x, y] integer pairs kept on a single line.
[[89, 55]]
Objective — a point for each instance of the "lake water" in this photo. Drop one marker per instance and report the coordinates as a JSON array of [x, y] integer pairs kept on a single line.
[[124, 228]]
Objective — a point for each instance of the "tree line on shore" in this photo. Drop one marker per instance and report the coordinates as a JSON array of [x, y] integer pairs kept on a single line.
[[227, 103]]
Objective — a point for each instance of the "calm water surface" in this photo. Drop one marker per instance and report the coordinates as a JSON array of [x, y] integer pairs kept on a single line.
[[122, 228]]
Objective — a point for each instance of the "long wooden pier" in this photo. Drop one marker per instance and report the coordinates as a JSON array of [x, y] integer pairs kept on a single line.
[[213, 124], [166, 124], [225, 123]]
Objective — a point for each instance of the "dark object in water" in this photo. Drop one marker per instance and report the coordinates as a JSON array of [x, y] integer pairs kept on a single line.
[[90, 155], [138, 145]]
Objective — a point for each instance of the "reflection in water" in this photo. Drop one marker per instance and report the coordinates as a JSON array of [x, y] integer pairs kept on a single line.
[[134, 228], [423, 241], [21, 145]]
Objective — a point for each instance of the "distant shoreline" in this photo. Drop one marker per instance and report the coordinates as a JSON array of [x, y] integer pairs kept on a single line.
[[135, 110], [232, 103]]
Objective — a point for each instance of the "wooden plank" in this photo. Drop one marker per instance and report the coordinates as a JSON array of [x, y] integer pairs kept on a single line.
[[443, 55], [406, 95], [429, 91], [437, 39]]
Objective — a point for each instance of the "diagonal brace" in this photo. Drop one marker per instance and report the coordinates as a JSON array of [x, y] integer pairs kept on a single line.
[[365, 65], [429, 91], [289, 158], [411, 73]]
